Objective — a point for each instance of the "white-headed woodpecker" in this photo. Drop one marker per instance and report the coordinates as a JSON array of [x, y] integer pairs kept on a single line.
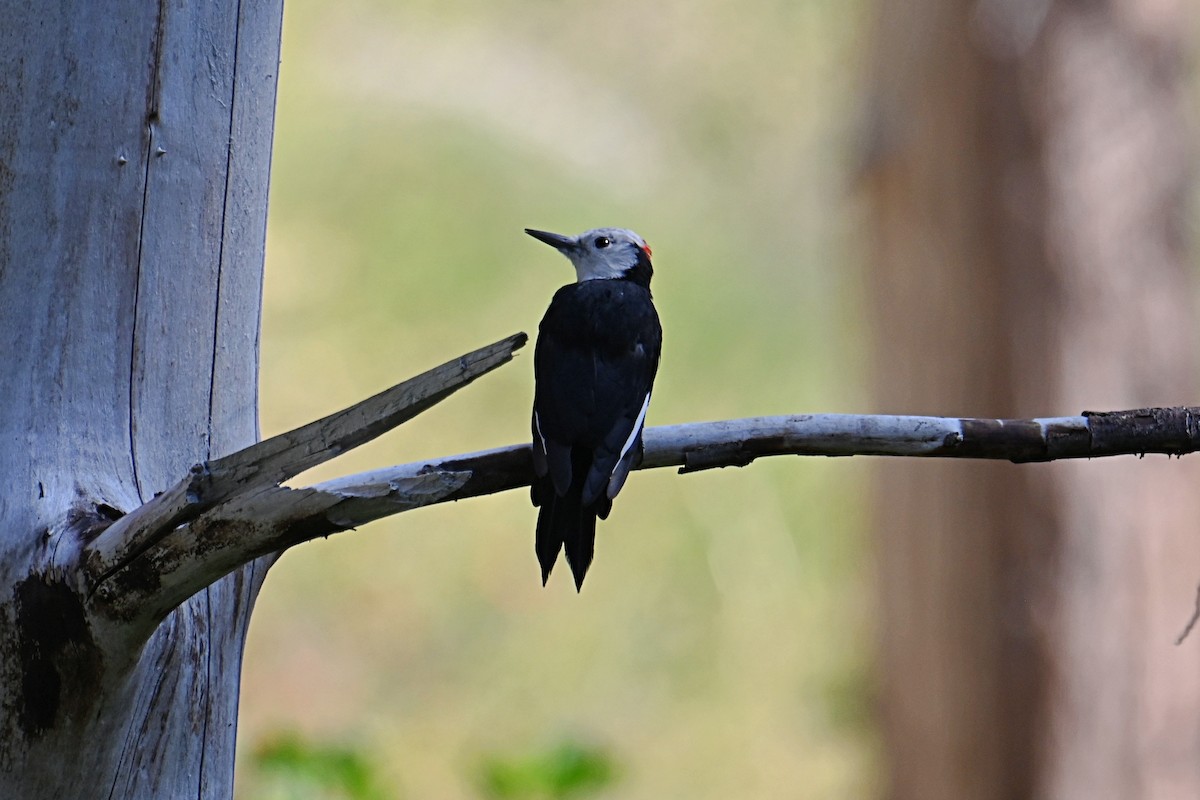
[[594, 365]]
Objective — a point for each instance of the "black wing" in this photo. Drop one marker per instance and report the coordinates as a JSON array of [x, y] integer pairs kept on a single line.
[[595, 362], [594, 365]]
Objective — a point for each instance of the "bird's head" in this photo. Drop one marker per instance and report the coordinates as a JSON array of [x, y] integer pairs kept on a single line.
[[603, 253]]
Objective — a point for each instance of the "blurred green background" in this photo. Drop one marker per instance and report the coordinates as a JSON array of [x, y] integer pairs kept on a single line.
[[721, 645]]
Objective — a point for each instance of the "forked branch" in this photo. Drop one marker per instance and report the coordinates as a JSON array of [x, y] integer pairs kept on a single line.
[[235, 509], [268, 463]]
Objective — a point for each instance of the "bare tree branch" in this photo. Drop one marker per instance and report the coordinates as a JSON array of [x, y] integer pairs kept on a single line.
[[736, 443], [270, 518], [274, 460], [234, 509], [250, 525], [1192, 620]]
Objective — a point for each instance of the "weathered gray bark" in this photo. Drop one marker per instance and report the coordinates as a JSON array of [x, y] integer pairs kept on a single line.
[[699, 446], [134, 154]]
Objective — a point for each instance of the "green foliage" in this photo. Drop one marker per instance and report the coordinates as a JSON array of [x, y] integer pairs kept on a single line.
[[569, 769], [296, 769]]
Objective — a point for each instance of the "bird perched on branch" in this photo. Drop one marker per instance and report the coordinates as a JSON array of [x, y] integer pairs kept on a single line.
[[594, 365]]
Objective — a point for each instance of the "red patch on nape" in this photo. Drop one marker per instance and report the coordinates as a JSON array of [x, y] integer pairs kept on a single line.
[[646, 249]]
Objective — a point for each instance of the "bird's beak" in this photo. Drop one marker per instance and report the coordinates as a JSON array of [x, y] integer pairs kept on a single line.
[[563, 244]]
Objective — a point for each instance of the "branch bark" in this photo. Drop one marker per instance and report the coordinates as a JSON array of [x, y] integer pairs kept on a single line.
[[248, 482], [255, 516], [274, 460], [736, 443]]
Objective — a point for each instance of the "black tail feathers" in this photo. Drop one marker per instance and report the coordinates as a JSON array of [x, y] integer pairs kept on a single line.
[[565, 524]]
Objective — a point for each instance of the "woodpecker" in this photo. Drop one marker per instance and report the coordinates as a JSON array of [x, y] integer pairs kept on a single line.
[[594, 366]]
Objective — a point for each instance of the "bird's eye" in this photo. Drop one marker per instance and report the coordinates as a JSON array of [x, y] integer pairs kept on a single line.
[[602, 241]]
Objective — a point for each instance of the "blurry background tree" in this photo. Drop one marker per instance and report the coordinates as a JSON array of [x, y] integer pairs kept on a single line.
[[723, 647], [1029, 172]]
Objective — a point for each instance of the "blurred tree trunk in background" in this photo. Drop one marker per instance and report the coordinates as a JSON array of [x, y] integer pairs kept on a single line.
[[1028, 169]]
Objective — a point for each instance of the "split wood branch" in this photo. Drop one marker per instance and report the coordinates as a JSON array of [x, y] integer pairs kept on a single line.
[[268, 463], [273, 518]]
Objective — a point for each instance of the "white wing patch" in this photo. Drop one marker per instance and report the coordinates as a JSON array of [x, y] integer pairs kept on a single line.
[[637, 428], [537, 423]]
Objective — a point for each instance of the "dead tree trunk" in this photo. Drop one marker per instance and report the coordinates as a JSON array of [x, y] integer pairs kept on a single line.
[[134, 154], [1029, 167]]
